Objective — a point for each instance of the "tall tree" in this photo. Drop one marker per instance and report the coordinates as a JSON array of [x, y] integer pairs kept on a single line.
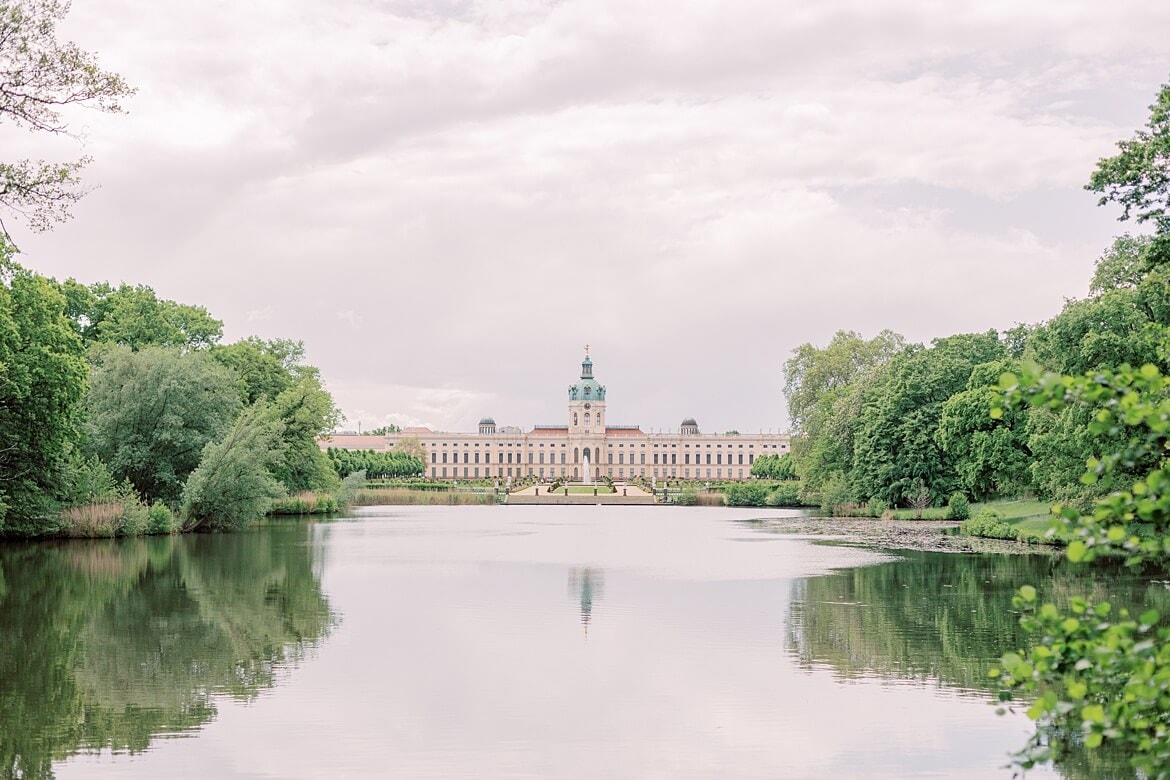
[[990, 456], [305, 411], [42, 378], [895, 451], [151, 413], [823, 389], [135, 317], [38, 76], [233, 484]]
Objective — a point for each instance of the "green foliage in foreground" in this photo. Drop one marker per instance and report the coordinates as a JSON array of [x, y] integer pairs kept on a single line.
[[1095, 676]]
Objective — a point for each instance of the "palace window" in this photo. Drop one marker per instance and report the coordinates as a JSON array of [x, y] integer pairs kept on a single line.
[[610, 457], [574, 418], [586, 419], [673, 459]]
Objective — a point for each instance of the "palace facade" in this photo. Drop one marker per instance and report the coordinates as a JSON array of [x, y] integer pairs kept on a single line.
[[586, 447]]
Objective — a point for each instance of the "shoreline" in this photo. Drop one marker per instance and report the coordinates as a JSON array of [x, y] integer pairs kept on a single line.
[[924, 535]]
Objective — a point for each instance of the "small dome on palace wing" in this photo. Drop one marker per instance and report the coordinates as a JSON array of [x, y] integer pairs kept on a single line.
[[689, 422], [487, 421]]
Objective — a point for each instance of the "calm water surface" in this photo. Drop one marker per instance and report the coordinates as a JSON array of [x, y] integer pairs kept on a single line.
[[581, 642]]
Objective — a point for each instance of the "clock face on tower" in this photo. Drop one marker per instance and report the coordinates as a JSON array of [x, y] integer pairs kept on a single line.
[[587, 405]]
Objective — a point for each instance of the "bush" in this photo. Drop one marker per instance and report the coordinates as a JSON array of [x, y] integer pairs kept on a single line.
[[988, 524], [746, 494], [687, 498], [834, 494], [350, 487], [787, 494], [877, 506], [957, 507], [160, 520]]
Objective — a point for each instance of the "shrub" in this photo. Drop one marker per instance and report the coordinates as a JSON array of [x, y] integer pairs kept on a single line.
[[988, 524], [877, 506], [687, 498], [835, 493], [957, 507], [746, 494], [786, 494], [349, 488], [160, 520], [710, 499]]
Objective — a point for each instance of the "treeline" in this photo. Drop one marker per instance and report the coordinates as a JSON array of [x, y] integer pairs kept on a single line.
[[883, 421], [774, 467], [122, 413], [376, 465]]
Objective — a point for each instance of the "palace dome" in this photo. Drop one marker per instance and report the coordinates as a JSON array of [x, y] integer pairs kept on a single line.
[[690, 421], [487, 421], [588, 389]]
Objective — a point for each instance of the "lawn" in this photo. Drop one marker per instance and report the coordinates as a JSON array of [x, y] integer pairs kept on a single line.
[[1029, 515], [580, 490]]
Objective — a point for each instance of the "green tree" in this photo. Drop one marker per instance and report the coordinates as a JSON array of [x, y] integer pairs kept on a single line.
[[1095, 675], [305, 411], [265, 368], [824, 389], [990, 457], [1138, 177], [1123, 265], [233, 485], [895, 449], [41, 75], [42, 379], [136, 317], [1112, 328], [152, 412]]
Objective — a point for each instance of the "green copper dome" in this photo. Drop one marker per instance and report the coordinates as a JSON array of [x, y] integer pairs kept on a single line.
[[588, 388]]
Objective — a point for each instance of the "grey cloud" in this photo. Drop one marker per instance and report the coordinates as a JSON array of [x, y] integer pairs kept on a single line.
[[485, 186]]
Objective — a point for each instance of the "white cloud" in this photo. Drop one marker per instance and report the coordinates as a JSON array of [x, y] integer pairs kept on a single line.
[[459, 194]]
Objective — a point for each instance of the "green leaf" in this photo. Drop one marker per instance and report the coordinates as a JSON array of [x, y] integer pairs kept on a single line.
[[1077, 690], [1116, 533], [1028, 593], [1094, 713], [1076, 551]]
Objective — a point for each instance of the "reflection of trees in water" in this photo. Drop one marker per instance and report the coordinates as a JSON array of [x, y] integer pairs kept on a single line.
[[106, 644], [944, 619], [586, 585]]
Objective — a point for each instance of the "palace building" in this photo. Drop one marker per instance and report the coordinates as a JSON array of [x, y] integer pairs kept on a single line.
[[586, 448]]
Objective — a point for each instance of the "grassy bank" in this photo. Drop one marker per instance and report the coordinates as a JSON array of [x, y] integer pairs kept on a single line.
[[404, 496], [1025, 520]]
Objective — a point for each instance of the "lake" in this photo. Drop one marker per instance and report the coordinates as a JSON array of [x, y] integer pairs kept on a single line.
[[580, 642]]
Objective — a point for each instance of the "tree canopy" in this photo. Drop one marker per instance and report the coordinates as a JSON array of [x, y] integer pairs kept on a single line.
[[42, 379], [41, 75]]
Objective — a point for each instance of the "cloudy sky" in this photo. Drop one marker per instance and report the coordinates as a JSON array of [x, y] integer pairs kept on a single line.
[[445, 200]]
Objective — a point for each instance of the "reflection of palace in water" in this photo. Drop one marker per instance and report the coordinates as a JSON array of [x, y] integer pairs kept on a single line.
[[586, 447], [586, 585]]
